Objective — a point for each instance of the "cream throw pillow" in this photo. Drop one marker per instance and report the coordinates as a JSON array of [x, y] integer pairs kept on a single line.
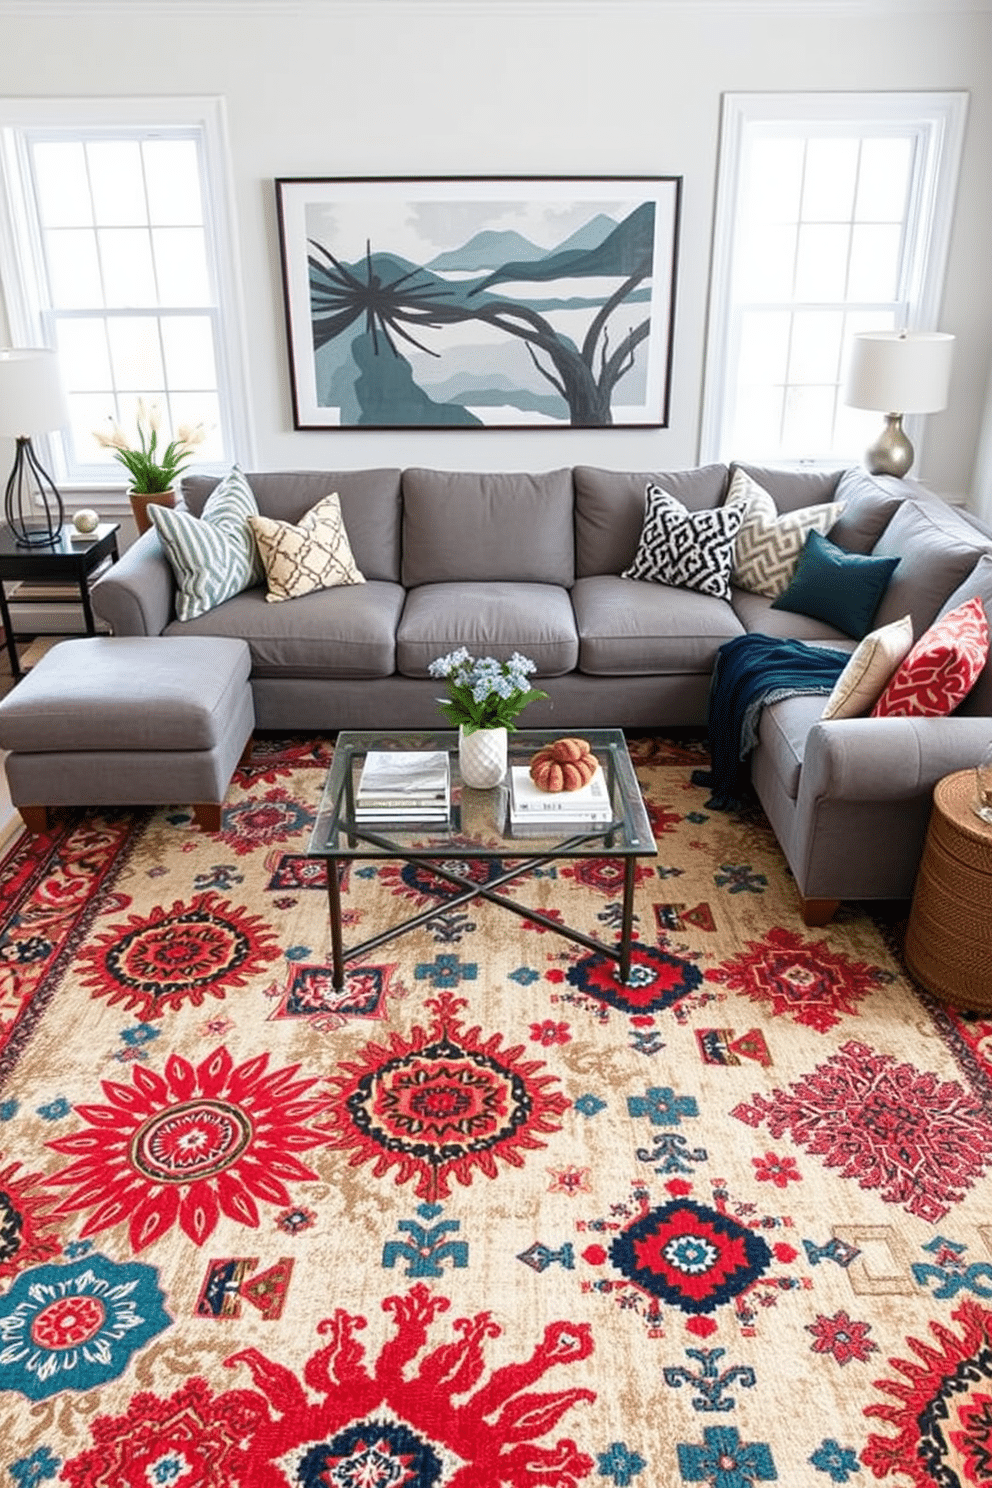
[[872, 665], [315, 554], [768, 545]]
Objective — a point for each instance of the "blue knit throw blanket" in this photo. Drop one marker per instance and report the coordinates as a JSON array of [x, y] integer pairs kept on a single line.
[[750, 672]]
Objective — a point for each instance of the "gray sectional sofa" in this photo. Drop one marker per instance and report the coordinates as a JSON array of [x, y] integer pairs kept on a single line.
[[533, 563]]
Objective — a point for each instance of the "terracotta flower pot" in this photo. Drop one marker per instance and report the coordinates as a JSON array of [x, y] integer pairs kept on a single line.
[[141, 500]]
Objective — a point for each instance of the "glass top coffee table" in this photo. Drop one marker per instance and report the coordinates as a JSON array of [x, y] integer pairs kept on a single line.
[[478, 827]]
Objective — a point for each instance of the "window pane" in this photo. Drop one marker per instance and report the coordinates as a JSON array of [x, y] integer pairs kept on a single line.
[[821, 263], [172, 177], [116, 182], [816, 346], [188, 345], [74, 280], [831, 174], [874, 273], [807, 422], [204, 408], [181, 265], [774, 180], [766, 264], [126, 255], [89, 411], [62, 185], [757, 420], [764, 347], [883, 182], [83, 356], [135, 352]]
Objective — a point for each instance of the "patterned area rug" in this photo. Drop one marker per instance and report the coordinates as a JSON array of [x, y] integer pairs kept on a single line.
[[487, 1217]]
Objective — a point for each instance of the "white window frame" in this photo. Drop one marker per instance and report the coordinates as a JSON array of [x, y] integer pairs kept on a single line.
[[938, 122], [21, 273]]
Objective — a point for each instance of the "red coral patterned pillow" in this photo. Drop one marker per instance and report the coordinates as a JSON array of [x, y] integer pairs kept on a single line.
[[942, 667]]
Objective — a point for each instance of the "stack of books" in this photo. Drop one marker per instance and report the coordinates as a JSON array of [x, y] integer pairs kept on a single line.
[[404, 785], [557, 812]]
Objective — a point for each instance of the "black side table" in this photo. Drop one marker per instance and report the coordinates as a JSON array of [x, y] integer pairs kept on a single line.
[[63, 561]]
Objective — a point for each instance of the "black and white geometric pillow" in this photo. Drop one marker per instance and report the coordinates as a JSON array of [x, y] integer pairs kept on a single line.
[[690, 550]]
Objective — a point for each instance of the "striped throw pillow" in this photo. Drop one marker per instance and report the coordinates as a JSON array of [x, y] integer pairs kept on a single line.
[[213, 556]]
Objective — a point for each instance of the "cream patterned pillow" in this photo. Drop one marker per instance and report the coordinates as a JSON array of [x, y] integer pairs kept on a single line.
[[768, 545], [315, 554], [872, 665]]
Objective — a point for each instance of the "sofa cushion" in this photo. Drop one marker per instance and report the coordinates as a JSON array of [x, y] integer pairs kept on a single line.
[[941, 669], [370, 507], [870, 502], [758, 614], [212, 556], [769, 543], [844, 589], [978, 703], [869, 670], [938, 550], [609, 510], [494, 619], [631, 628], [299, 557], [472, 527], [345, 632], [687, 550]]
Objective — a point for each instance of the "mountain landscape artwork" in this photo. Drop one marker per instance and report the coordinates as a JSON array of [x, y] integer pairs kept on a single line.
[[480, 303]]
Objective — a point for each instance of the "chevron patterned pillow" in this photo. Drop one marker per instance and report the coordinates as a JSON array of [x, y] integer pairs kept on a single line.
[[314, 554], [689, 550], [768, 545], [213, 556], [942, 667]]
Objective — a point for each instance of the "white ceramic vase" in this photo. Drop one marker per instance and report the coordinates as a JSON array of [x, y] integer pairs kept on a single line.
[[482, 757]]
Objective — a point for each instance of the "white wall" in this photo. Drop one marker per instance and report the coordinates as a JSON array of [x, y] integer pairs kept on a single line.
[[518, 87]]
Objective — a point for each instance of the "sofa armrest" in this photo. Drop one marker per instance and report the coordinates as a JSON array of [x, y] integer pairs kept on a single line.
[[135, 595], [887, 759]]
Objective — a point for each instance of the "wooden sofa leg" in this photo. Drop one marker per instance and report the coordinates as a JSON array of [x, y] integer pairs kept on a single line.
[[207, 815], [818, 911], [246, 752], [35, 818]]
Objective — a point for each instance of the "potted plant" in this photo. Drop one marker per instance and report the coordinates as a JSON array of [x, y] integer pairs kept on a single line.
[[153, 471], [484, 699]]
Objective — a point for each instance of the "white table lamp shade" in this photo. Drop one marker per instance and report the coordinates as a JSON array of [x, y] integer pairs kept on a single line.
[[32, 399], [900, 372]]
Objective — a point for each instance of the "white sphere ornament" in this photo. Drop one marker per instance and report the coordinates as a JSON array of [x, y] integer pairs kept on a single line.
[[86, 520]]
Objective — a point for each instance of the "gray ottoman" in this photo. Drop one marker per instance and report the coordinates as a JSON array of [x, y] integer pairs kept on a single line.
[[129, 721]]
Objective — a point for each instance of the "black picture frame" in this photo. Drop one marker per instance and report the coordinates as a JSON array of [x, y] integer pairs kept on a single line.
[[495, 302]]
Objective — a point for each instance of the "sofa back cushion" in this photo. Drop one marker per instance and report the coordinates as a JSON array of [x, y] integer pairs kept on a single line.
[[610, 508], [870, 502], [937, 551], [370, 507], [792, 489], [464, 527]]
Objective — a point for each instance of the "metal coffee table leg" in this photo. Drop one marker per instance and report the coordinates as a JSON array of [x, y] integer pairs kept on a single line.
[[337, 943]]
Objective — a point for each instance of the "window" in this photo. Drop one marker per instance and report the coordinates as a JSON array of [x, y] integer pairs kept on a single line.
[[833, 213], [116, 251]]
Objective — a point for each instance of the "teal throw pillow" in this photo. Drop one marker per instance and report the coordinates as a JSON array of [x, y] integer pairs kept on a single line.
[[213, 556], [840, 588]]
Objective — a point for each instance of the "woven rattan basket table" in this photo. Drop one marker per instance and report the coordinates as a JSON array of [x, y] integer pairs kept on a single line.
[[949, 937]]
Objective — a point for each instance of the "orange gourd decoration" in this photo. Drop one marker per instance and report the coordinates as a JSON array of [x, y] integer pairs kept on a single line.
[[563, 766]]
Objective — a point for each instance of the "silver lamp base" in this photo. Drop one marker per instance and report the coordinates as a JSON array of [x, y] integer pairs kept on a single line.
[[892, 453]]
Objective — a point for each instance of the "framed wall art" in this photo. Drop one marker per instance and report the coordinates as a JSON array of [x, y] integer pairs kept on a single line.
[[480, 303]]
